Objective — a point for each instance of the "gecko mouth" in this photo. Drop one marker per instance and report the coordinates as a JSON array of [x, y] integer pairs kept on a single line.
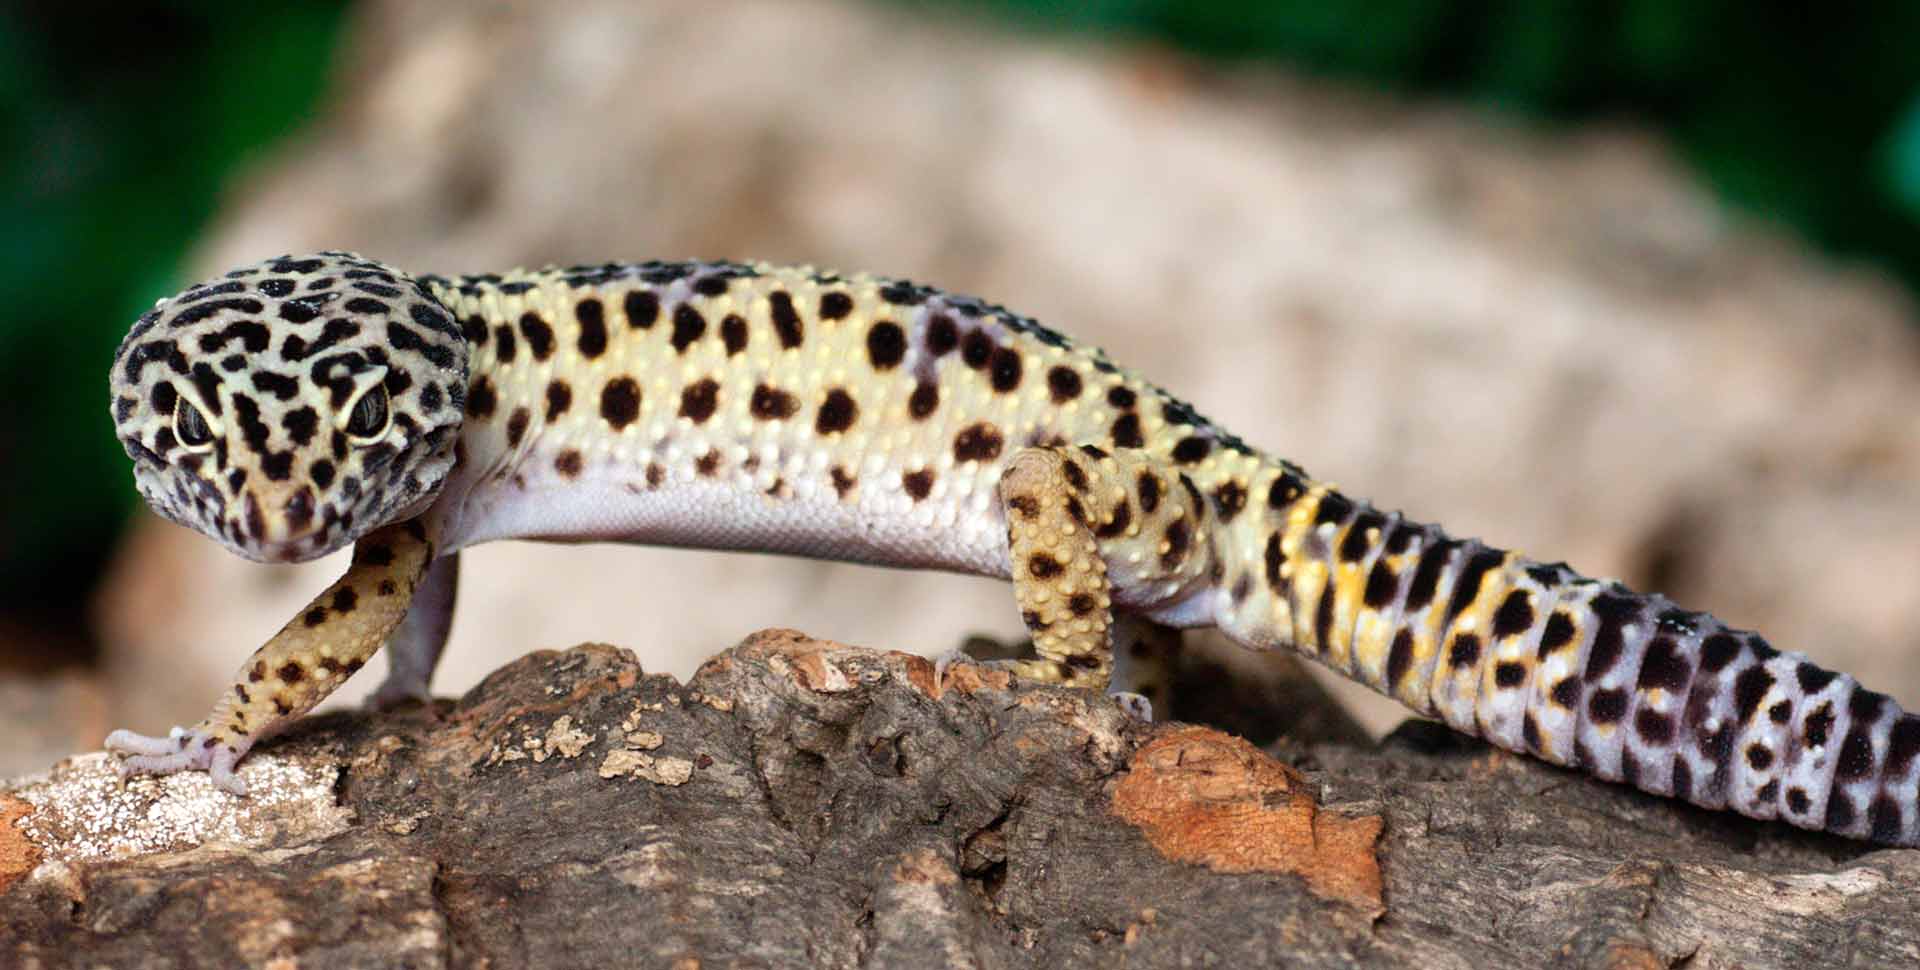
[[282, 526]]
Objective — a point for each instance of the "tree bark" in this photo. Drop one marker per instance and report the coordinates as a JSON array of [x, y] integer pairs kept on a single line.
[[800, 803]]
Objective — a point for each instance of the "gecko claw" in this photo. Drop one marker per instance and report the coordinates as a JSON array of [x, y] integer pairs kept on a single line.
[[180, 750]]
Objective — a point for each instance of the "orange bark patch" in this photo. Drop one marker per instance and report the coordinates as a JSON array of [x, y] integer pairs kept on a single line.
[[18, 856], [1202, 796]]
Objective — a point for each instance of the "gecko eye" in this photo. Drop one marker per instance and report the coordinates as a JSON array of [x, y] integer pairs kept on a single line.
[[370, 416], [190, 426]]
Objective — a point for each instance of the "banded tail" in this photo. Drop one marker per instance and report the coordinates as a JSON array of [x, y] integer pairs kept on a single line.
[[1586, 674]]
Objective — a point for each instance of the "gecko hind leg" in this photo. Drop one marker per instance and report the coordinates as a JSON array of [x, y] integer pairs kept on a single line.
[[1145, 655], [303, 663], [1059, 576], [1085, 527]]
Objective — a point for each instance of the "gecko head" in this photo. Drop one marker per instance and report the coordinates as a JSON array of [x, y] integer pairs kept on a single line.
[[291, 406]]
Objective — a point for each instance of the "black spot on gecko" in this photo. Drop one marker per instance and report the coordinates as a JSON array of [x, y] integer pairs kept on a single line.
[[1515, 615], [1856, 755], [559, 399], [1566, 693], [1749, 689], [1717, 651], [1191, 449], [1080, 604], [1663, 667], [300, 425], [345, 599], [642, 308], [1865, 705], [772, 404], [917, 483], [976, 349], [977, 442], [1508, 674], [1465, 651], [1004, 370], [1466, 590], [1840, 812], [517, 426], [1178, 536], [567, 463], [1381, 585], [886, 345], [942, 335], [1759, 756], [1399, 657], [481, 399], [1126, 431], [1355, 541], [837, 413], [593, 328], [1063, 383], [620, 402], [688, 326], [924, 399], [733, 333], [1653, 727], [708, 465], [1229, 499], [1903, 745], [1426, 576], [1122, 518], [1148, 485], [505, 344], [1883, 819], [835, 305], [786, 320], [1817, 725], [1607, 706], [1797, 801], [1121, 397], [1609, 638], [699, 400]]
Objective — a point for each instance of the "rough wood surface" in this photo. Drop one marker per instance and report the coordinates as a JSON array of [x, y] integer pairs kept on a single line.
[[800, 803]]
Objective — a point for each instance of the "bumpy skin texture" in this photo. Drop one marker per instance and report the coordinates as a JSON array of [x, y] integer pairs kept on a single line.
[[742, 406]]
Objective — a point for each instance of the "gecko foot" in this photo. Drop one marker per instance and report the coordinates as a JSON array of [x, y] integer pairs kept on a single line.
[[1136, 705], [180, 750], [396, 691]]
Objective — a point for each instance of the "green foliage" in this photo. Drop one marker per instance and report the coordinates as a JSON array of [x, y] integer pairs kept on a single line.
[[119, 125]]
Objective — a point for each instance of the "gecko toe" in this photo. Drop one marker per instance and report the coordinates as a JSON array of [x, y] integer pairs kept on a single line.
[[125, 742], [1136, 706]]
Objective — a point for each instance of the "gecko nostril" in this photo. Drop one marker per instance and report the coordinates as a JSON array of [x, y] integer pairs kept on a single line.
[[300, 509], [256, 520]]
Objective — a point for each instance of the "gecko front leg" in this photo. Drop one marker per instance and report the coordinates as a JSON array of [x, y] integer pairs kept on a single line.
[[311, 656]]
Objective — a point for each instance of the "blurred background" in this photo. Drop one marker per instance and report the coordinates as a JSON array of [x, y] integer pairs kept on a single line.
[[1627, 284]]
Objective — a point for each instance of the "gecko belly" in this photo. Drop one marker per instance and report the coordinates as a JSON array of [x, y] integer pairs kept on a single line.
[[739, 511]]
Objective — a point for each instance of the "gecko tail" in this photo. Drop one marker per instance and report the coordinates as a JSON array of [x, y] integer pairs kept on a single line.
[[1591, 675]]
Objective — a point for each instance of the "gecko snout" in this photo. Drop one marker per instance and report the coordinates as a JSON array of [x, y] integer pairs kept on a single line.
[[279, 519]]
